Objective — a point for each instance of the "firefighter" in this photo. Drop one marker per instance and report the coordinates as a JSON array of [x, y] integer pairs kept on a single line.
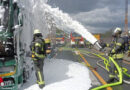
[[116, 52], [38, 55]]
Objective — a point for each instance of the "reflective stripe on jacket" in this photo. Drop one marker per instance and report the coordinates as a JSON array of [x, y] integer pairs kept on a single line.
[[118, 49], [38, 49]]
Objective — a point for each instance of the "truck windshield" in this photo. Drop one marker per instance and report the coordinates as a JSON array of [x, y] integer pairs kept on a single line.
[[76, 35], [59, 36], [5, 69]]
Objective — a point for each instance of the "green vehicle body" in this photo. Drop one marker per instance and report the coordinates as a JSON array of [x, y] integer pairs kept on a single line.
[[11, 64], [14, 78]]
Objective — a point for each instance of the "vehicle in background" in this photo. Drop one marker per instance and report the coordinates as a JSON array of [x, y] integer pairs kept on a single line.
[[97, 36], [60, 40], [76, 40], [48, 45]]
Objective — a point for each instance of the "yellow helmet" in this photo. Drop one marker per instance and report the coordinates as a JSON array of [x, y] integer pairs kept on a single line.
[[36, 31]]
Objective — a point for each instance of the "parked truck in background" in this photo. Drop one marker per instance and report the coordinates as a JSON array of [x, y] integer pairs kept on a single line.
[[76, 40], [60, 40], [97, 36]]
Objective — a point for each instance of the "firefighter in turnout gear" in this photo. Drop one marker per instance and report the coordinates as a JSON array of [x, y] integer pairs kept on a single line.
[[117, 53], [38, 55]]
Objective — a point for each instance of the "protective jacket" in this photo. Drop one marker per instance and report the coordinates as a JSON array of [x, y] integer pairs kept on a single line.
[[126, 40], [38, 49], [118, 48]]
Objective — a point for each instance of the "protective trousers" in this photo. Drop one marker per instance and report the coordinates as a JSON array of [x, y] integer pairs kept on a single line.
[[113, 71], [38, 65]]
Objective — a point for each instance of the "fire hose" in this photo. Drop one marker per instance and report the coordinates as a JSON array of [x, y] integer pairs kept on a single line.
[[106, 62]]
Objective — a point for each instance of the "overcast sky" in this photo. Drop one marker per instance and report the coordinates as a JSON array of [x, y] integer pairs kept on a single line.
[[95, 15]]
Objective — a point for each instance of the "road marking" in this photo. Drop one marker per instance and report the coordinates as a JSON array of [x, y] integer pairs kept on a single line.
[[95, 73], [92, 76]]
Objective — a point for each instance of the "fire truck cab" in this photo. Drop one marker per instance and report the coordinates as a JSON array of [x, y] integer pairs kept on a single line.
[[76, 40], [60, 40]]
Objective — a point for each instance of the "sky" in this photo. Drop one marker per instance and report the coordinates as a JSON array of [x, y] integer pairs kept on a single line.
[[97, 16]]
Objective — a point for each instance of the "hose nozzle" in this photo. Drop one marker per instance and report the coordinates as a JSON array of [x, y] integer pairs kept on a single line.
[[97, 46]]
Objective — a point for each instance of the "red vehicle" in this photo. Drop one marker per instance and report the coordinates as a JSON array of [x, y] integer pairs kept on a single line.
[[76, 40]]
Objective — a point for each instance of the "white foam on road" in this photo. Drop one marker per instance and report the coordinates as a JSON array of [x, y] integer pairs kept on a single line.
[[62, 75]]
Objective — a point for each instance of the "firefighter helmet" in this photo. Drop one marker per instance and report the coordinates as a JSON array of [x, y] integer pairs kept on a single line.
[[117, 31], [37, 31]]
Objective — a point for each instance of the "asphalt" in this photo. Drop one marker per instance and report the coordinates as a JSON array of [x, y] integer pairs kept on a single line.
[[69, 55]]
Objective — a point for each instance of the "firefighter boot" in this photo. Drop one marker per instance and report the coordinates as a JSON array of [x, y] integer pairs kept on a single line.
[[110, 80], [41, 86], [40, 80]]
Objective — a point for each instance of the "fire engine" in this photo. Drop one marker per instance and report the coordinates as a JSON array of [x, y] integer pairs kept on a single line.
[[60, 40], [76, 40]]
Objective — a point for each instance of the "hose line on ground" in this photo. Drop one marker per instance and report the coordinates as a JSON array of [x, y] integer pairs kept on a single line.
[[106, 62], [112, 84], [98, 63]]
